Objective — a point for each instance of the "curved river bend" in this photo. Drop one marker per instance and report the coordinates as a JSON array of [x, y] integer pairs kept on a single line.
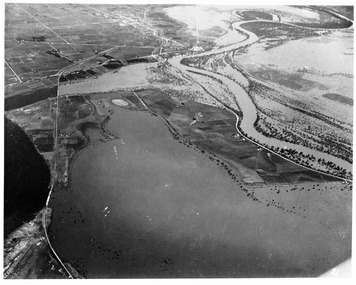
[[246, 105]]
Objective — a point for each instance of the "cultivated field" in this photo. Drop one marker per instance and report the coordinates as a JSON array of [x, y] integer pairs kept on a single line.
[[73, 37]]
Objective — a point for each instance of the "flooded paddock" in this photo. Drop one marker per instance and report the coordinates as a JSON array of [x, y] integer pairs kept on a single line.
[[145, 205]]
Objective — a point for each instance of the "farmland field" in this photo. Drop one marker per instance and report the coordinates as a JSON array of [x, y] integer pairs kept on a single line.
[[183, 141]]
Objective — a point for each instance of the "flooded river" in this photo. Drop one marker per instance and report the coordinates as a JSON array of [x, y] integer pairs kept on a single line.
[[246, 105]]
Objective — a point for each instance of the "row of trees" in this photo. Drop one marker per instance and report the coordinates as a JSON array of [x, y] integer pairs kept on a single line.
[[329, 146]]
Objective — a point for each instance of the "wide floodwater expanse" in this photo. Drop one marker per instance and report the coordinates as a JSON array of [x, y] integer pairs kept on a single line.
[[145, 205]]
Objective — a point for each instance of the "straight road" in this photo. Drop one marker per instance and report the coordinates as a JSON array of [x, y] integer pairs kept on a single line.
[[42, 23]]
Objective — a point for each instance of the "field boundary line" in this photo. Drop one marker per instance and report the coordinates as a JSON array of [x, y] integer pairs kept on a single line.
[[13, 71]]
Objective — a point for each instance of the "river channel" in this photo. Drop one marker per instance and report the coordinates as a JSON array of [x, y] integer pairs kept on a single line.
[[246, 105]]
